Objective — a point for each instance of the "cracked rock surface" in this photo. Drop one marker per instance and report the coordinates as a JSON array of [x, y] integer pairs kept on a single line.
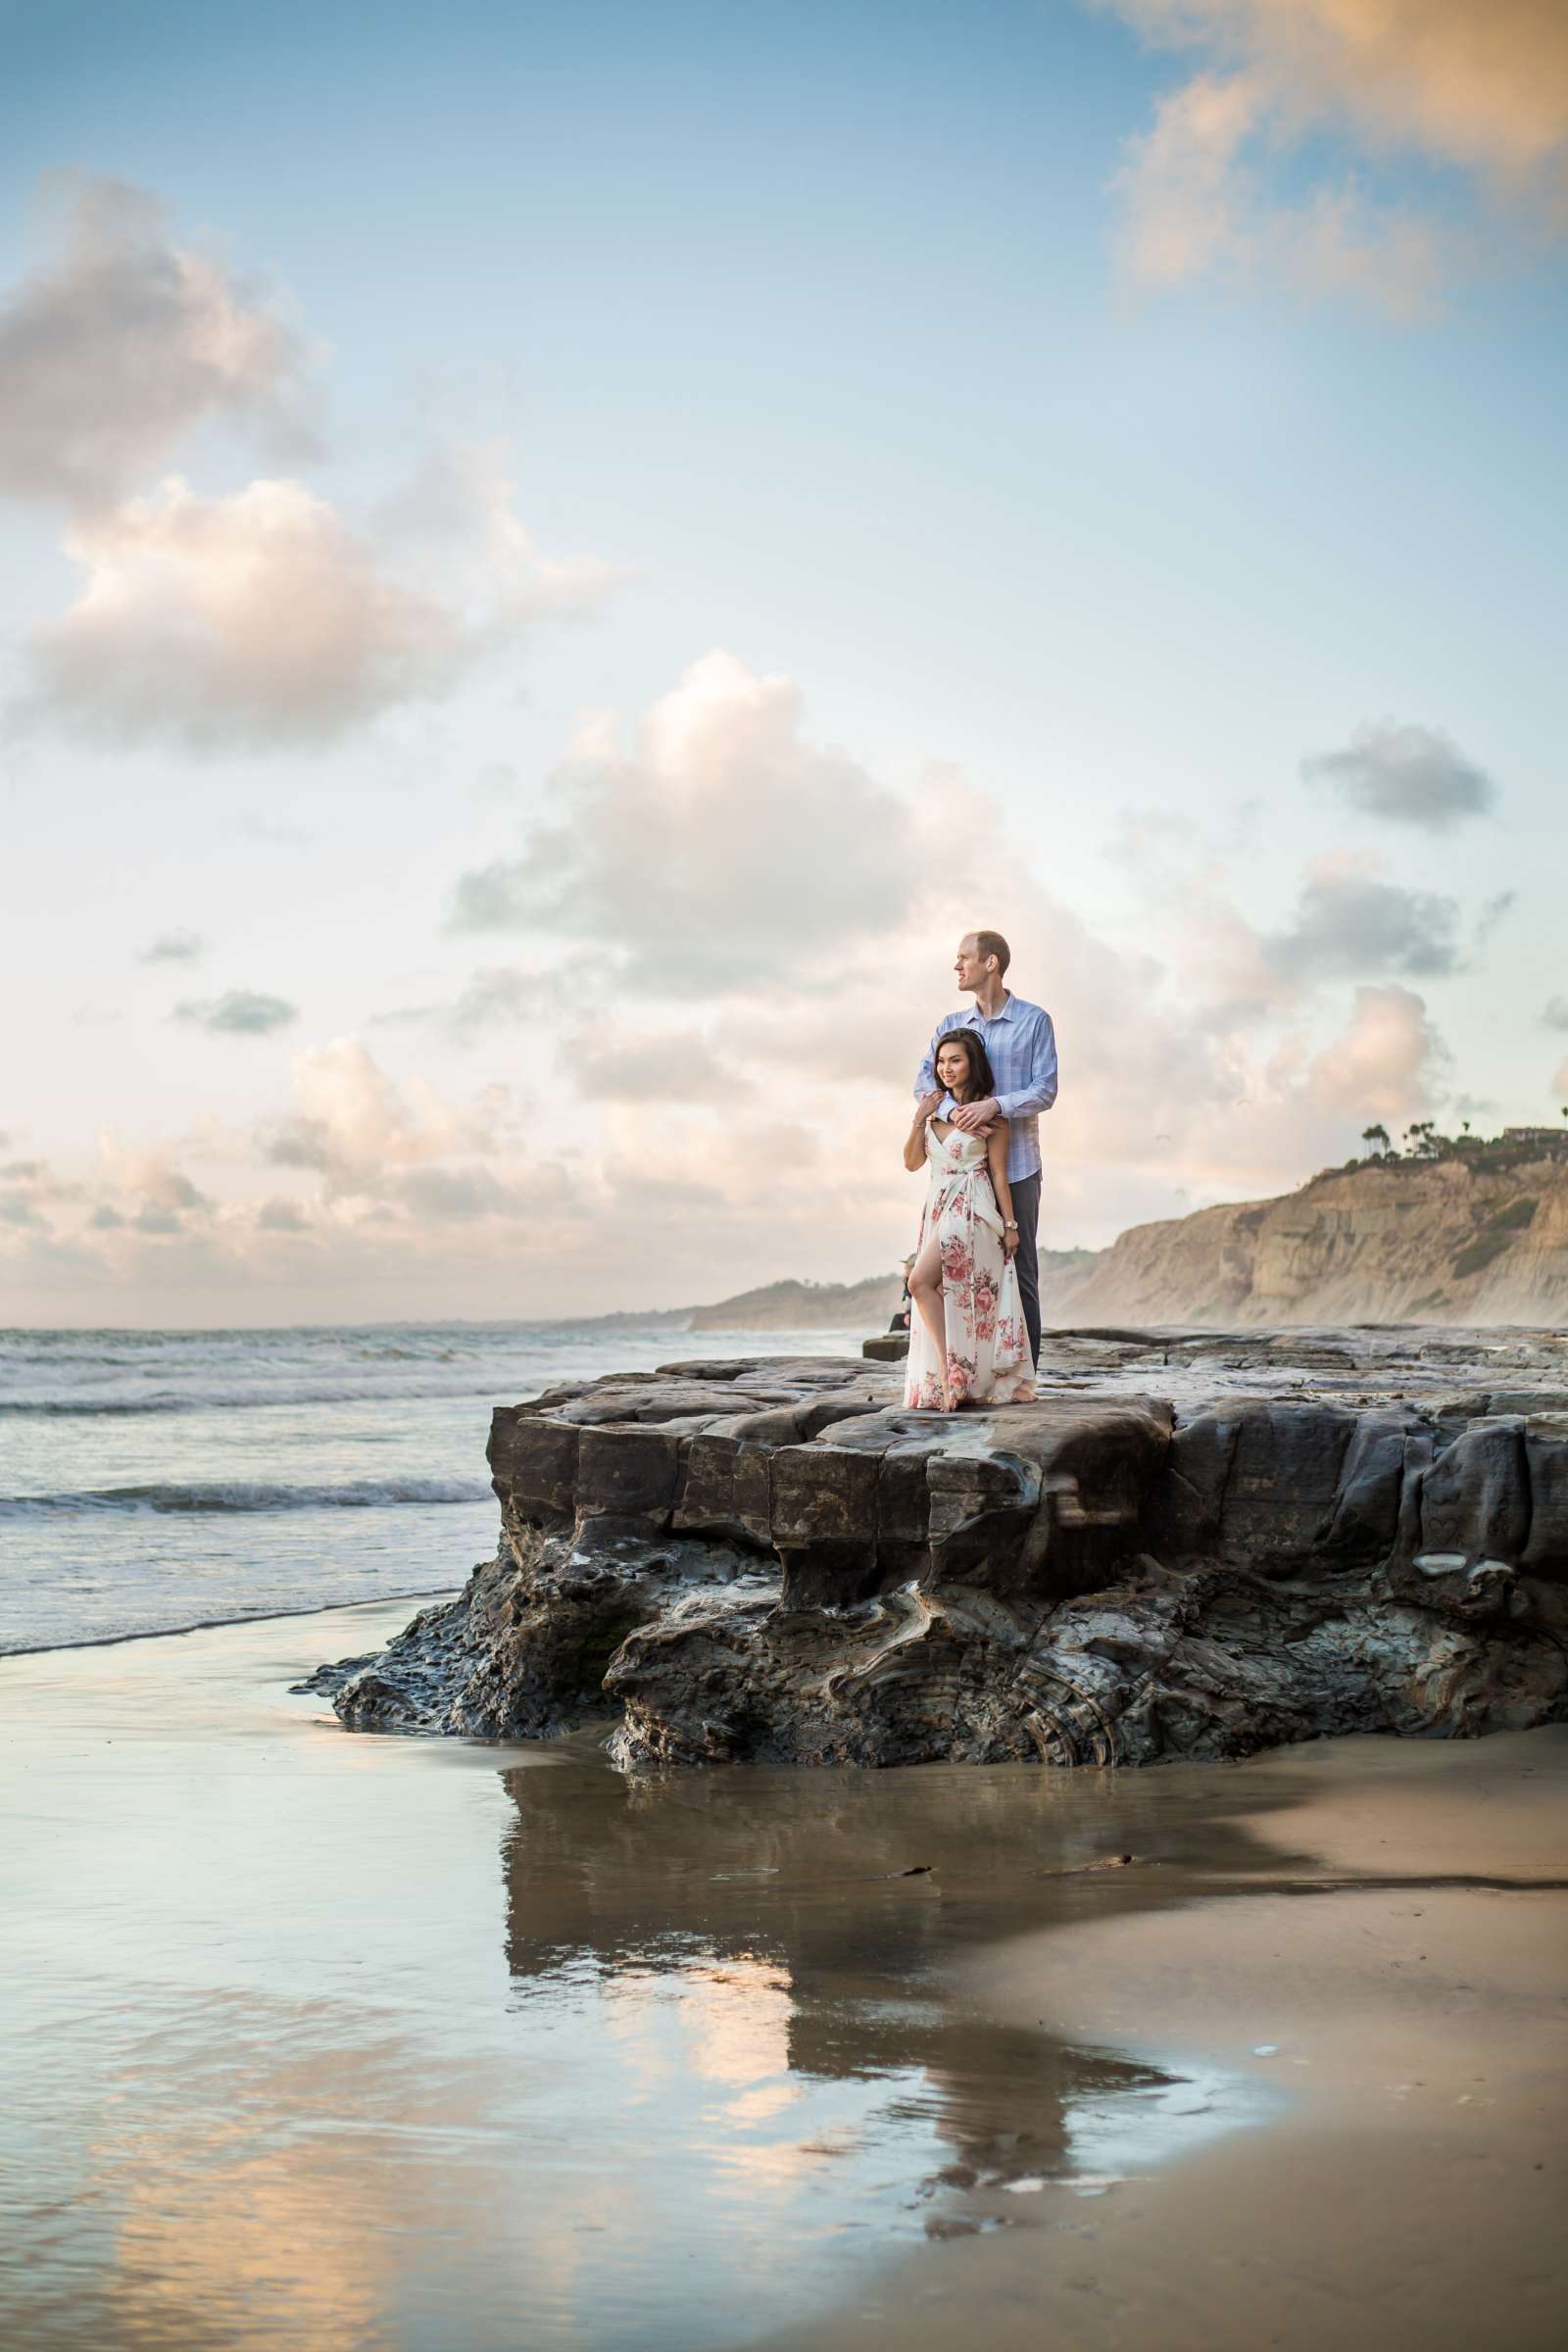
[[1192, 1543]]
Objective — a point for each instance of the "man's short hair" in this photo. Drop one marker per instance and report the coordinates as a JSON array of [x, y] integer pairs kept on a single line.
[[991, 943]]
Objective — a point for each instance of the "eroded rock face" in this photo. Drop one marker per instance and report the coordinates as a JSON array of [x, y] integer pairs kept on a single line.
[[1190, 1545]]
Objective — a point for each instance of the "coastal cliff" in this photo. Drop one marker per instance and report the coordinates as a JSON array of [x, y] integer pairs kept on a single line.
[[1193, 1544], [1468, 1239]]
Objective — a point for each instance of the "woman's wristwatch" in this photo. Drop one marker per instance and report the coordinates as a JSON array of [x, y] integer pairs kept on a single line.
[[1011, 1226]]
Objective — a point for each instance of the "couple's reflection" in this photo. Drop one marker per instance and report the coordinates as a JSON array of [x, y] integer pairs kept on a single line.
[[813, 1920]]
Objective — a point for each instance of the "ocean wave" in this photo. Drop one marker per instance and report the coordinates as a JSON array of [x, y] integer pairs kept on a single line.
[[249, 1494], [166, 1400]]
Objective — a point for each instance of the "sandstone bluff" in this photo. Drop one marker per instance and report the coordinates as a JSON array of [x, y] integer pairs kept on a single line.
[[1193, 1544]]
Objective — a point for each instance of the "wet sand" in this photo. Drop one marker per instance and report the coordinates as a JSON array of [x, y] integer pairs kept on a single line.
[[1412, 2192], [326, 2042]]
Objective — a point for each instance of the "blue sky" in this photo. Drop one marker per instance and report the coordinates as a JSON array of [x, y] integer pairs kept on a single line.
[[1091, 426]]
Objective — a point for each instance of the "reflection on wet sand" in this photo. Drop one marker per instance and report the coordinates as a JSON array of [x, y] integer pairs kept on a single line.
[[326, 2042], [243, 2213], [793, 1929]]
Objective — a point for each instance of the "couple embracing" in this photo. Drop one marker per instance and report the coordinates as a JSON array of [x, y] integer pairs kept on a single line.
[[974, 1281]]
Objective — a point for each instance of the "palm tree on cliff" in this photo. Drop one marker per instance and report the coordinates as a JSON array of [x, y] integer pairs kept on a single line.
[[1375, 1139]]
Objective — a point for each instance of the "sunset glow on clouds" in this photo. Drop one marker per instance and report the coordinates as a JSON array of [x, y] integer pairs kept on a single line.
[[1482, 90], [416, 922]]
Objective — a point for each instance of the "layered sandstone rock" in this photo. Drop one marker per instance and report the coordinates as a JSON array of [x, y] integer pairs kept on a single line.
[[1192, 1544], [1479, 1240]]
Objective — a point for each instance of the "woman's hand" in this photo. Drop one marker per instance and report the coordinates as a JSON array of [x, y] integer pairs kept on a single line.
[[1009, 1242], [914, 1141]]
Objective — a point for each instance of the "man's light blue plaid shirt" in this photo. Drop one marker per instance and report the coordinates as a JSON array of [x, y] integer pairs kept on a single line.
[[1021, 1045]]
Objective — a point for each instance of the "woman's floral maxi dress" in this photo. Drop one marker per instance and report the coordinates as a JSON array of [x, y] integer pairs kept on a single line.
[[988, 1344]]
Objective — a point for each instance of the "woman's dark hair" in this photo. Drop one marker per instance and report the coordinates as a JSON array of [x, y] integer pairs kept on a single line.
[[980, 1082]]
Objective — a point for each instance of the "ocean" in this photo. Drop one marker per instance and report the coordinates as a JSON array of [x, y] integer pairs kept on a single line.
[[154, 1480]]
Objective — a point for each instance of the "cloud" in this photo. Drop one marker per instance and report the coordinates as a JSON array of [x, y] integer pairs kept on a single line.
[[725, 849], [1483, 91], [1494, 911], [1192, 209], [460, 1195], [1555, 1012], [1349, 924], [1485, 88], [496, 997], [459, 514], [157, 1187], [116, 348], [241, 1013], [1383, 1064], [351, 1121], [649, 1066], [264, 619], [254, 620], [175, 946], [29, 1190], [1177, 182], [1410, 775], [281, 1217]]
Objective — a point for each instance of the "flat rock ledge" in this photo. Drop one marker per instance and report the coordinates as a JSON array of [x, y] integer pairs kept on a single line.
[[1193, 1544]]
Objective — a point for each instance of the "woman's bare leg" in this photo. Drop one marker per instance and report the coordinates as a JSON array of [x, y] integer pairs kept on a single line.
[[925, 1289]]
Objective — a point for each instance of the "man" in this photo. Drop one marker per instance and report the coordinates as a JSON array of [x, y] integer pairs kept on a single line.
[[1020, 1043]]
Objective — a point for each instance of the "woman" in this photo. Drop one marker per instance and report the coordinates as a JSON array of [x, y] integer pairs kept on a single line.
[[968, 1342]]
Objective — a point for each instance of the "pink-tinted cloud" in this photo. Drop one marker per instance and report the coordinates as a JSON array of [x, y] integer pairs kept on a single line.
[[725, 849], [1384, 1063], [1482, 90], [114, 350], [264, 619]]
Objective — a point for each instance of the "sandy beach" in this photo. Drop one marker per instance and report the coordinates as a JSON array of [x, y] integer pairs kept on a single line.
[[1401, 1973], [331, 2042]]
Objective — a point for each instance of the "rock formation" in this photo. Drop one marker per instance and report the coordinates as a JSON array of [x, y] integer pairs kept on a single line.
[[1192, 1544], [1478, 1237]]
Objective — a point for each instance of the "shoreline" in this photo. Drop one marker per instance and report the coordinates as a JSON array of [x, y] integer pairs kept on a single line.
[[218, 1624]]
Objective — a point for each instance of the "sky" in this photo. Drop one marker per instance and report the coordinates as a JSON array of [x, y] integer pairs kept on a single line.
[[558, 558]]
